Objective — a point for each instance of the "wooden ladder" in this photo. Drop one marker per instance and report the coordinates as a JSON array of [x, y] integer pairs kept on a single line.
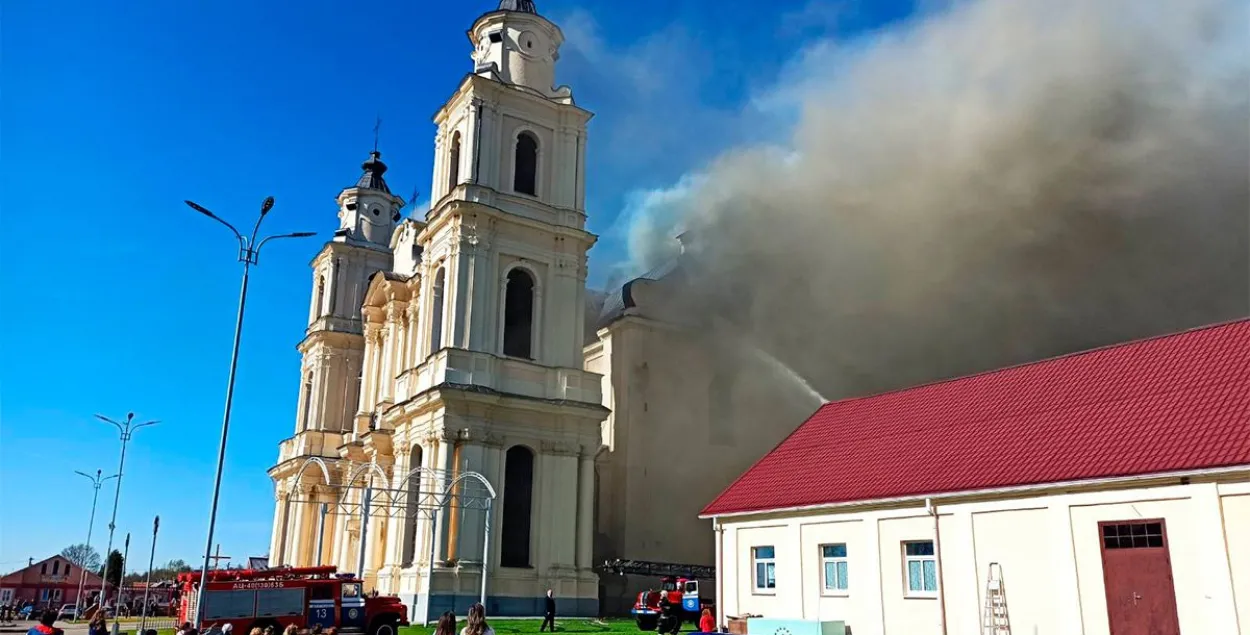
[[994, 620]]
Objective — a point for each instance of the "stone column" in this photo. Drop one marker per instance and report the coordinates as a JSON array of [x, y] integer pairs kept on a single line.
[[444, 474], [296, 530], [367, 380], [279, 528], [585, 507], [414, 337]]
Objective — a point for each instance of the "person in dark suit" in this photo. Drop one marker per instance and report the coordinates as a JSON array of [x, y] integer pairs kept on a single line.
[[549, 614]]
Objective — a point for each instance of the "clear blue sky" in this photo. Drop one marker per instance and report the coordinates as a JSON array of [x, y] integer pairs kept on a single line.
[[116, 297]]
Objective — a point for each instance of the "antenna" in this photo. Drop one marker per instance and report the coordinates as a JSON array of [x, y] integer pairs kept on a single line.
[[377, 127]]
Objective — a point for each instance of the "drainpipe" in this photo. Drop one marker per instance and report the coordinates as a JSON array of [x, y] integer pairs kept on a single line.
[[720, 553], [931, 509]]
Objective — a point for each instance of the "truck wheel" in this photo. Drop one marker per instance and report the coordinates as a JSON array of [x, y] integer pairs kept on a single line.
[[384, 626], [646, 622]]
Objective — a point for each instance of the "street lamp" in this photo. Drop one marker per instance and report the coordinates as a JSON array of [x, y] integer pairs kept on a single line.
[[249, 254], [127, 430], [96, 482]]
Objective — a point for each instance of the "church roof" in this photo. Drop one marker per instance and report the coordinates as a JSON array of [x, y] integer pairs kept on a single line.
[[620, 299], [1162, 405], [523, 6], [372, 178]]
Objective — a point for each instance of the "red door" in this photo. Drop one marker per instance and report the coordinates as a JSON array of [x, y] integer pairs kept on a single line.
[[1137, 573]]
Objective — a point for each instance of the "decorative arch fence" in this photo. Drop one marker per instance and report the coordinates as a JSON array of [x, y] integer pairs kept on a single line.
[[422, 493]]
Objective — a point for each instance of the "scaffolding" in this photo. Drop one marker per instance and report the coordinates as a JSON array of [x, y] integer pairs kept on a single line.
[[421, 493]]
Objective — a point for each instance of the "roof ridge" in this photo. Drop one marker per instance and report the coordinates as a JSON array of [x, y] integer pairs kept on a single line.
[[1201, 383], [1052, 358]]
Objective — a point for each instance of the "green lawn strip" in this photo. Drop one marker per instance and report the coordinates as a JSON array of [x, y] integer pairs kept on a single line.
[[505, 626]]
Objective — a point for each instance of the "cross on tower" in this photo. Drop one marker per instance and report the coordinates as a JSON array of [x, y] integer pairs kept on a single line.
[[377, 127], [218, 557]]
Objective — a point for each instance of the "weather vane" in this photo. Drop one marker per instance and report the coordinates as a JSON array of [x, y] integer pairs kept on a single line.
[[377, 127]]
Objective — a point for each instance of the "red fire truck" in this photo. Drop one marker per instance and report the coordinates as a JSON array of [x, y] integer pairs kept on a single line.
[[679, 580], [305, 597]]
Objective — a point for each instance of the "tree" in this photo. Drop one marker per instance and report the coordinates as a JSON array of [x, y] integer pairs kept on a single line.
[[82, 555], [115, 565]]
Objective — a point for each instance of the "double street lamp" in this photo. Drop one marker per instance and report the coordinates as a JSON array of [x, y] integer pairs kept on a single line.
[[127, 430], [249, 254], [96, 482]]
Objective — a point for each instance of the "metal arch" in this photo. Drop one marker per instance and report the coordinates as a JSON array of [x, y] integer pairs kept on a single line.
[[299, 474], [365, 467], [466, 475]]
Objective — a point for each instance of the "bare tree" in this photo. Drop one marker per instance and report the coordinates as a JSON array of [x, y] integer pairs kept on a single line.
[[83, 556]]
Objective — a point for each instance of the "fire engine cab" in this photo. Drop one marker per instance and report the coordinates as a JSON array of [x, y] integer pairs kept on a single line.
[[305, 597]]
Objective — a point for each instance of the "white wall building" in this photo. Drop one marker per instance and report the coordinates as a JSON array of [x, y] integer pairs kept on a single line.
[[1112, 489], [466, 341]]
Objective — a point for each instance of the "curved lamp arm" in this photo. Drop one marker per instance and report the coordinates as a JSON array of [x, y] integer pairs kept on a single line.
[[202, 210]]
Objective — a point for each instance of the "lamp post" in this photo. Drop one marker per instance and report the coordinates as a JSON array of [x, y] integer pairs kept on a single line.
[[147, 583], [96, 482], [127, 430], [249, 253]]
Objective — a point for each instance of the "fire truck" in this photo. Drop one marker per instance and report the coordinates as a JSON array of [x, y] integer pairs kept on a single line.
[[305, 597], [680, 580]]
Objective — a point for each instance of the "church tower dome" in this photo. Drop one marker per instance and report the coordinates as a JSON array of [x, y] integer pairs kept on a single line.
[[368, 211], [517, 46]]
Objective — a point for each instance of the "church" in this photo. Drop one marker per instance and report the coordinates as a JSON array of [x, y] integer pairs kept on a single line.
[[473, 422]]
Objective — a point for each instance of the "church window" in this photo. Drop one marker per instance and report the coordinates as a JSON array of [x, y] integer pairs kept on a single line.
[[518, 314], [525, 168], [454, 162], [518, 496], [436, 311], [413, 504], [307, 406]]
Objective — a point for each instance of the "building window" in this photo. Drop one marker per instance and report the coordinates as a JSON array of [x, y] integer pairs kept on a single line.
[[43, 569], [56, 567], [68, 566], [518, 498], [921, 567], [765, 561], [525, 175], [453, 168], [1132, 535], [518, 315], [834, 567], [436, 311]]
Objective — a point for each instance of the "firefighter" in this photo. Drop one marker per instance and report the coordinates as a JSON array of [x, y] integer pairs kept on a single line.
[[670, 621]]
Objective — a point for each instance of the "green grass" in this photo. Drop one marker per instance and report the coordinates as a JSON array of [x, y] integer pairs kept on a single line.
[[504, 626]]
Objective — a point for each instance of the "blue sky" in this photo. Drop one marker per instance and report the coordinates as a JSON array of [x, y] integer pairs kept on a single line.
[[118, 298]]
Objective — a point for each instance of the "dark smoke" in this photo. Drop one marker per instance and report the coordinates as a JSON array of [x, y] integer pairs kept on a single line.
[[997, 182]]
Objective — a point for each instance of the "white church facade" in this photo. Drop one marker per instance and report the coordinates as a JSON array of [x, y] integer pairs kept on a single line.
[[466, 344]]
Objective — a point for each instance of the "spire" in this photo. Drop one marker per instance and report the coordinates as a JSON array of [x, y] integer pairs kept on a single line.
[[374, 169], [522, 6]]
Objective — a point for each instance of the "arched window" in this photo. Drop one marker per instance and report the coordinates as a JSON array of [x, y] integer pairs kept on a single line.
[[413, 505], [307, 405], [525, 174], [518, 314], [436, 311], [453, 171], [518, 498]]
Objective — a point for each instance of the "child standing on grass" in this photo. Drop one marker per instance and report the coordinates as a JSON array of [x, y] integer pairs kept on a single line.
[[476, 624]]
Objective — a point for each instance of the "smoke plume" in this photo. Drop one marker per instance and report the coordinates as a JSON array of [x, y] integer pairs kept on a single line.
[[990, 183]]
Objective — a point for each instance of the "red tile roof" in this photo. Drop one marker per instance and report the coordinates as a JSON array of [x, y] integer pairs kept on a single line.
[[1175, 402]]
